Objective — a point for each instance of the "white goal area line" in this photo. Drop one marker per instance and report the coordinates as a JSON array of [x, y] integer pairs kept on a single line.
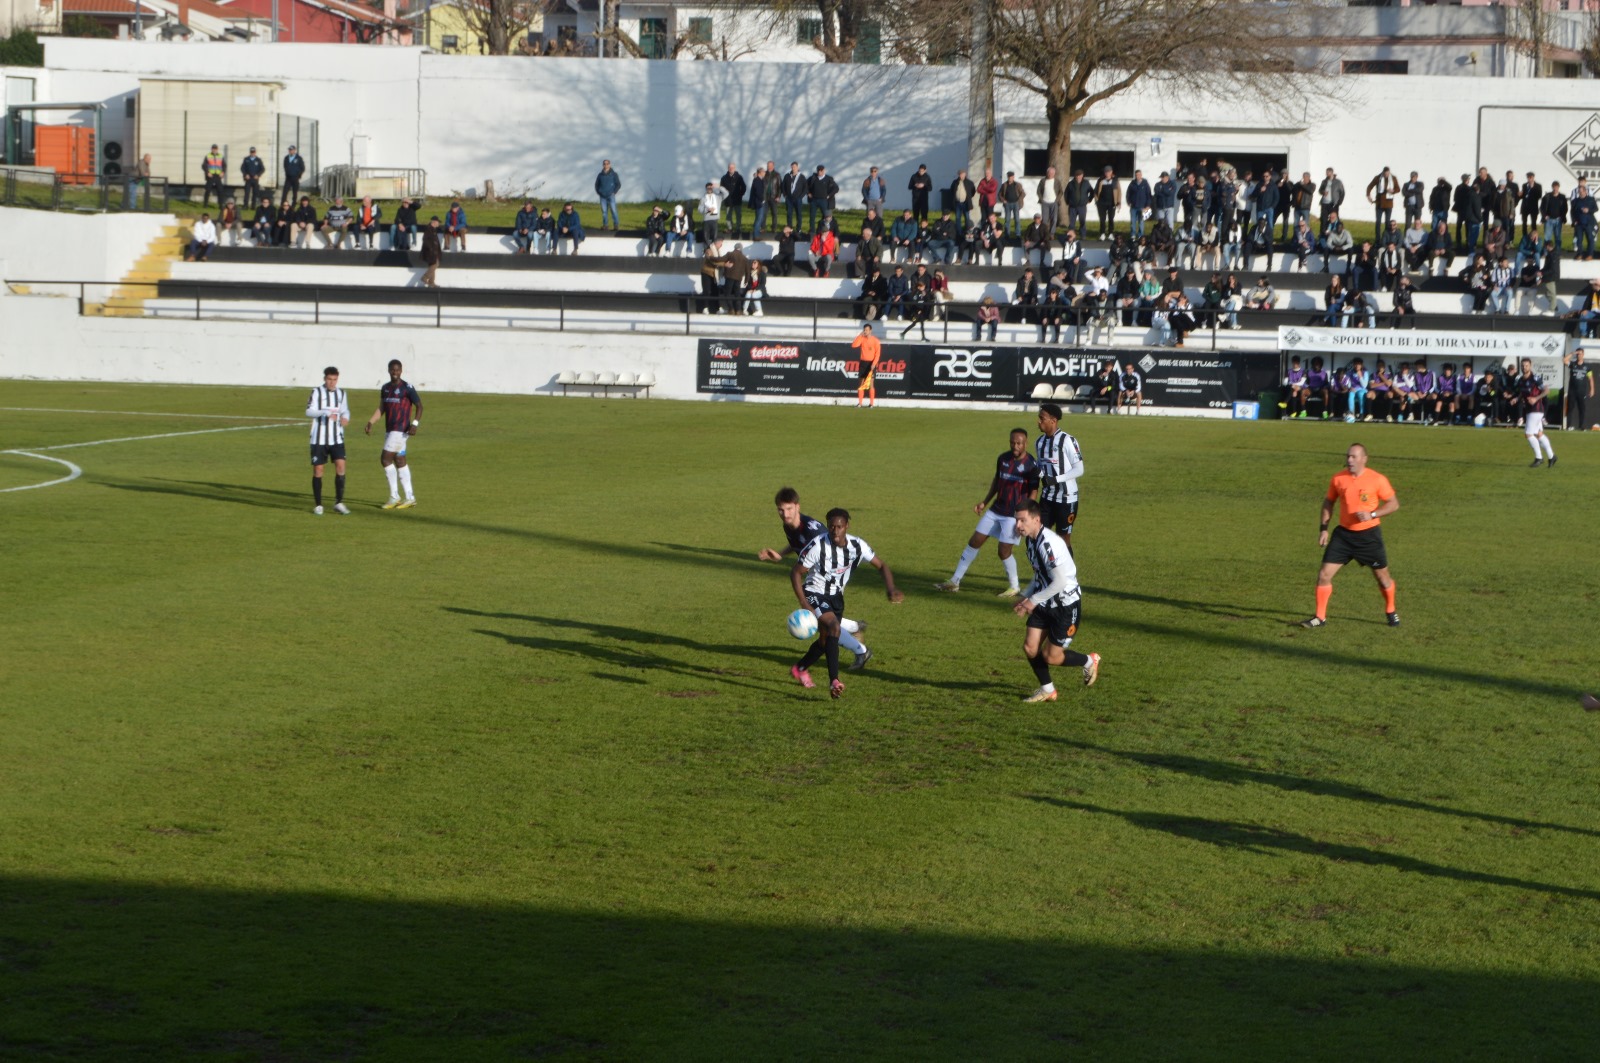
[[139, 413]]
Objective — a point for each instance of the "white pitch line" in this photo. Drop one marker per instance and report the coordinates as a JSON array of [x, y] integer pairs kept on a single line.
[[72, 475], [140, 413], [163, 435]]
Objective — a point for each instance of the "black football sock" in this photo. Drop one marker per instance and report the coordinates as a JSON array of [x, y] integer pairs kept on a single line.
[[1074, 659], [812, 655], [832, 650], [1040, 668], [338, 488], [316, 489]]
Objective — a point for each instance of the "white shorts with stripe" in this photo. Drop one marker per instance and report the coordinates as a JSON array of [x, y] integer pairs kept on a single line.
[[1532, 424], [1002, 528]]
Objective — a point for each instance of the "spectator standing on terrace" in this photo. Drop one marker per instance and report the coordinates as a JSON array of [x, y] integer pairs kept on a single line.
[[1012, 196], [711, 212], [607, 183], [405, 225], [873, 191], [138, 178], [1530, 194], [1048, 192], [432, 252], [294, 168], [759, 200], [1413, 197], [203, 237], [1582, 205], [251, 167], [214, 168], [369, 220], [1079, 194], [1138, 198], [522, 227], [336, 223], [1381, 191], [1107, 198], [655, 231], [734, 188], [455, 227], [710, 280], [1330, 194], [735, 273], [920, 185], [569, 227], [793, 187], [963, 195], [988, 192]]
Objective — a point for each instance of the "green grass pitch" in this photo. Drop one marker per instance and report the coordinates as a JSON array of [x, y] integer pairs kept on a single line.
[[521, 773]]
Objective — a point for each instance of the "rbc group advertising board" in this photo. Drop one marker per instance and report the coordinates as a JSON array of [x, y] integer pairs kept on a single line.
[[968, 372]]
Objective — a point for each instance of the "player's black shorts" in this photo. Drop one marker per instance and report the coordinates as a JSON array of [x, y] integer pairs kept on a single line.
[[826, 603], [1059, 624], [1058, 516], [322, 453], [1362, 547]]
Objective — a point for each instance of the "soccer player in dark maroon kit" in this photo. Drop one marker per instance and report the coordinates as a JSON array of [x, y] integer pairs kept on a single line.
[[401, 409], [1016, 477]]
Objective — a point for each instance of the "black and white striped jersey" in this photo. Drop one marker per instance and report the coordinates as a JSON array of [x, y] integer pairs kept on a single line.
[[1055, 574], [326, 408], [1060, 464], [830, 566]]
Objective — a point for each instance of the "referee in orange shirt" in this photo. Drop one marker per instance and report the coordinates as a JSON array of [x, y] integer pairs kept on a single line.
[[1364, 496]]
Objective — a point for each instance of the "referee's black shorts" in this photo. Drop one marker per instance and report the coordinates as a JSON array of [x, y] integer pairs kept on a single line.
[[1362, 547]]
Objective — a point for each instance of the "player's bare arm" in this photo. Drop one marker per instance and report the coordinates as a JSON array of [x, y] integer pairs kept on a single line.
[[797, 577], [1323, 519], [994, 492], [767, 553], [888, 581], [377, 415]]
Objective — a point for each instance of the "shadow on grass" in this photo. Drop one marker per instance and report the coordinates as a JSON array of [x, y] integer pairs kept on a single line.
[[643, 659], [129, 971], [1238, 775], [744, 557], [1249, 837], [259, 497]]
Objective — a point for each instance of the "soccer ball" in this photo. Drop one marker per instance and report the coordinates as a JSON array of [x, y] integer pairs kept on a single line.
[[1349, 418], [1480, 420], [803, 624]]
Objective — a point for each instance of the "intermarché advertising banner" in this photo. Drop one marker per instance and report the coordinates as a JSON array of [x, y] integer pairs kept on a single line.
[[963, 372]]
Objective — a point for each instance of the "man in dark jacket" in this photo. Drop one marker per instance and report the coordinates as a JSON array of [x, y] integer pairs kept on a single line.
[[1464, 204], [920, 185], [294, 168], [432, 251], [1531, 193], [759, 199], [793, 189], [251, 169], [733, 204], [1079, 194], [963, 197], [821, 189], [405, 226], [606, 185], [1553, 212]]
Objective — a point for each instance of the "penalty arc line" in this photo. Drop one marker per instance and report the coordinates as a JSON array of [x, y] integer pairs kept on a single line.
[[73, 474]]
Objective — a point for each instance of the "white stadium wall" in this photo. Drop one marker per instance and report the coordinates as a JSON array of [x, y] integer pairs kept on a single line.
[[542, 126]]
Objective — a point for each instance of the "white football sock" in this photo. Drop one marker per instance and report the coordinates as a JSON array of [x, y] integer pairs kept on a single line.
[[1549, 451], [850, 642], [1533, 441], [846, 624], [394, 488], [405, 482], [1011, 569], [968, 556]]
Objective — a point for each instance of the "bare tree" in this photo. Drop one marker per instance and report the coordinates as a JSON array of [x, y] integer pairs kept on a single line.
[[1078, 53], [499, 23]]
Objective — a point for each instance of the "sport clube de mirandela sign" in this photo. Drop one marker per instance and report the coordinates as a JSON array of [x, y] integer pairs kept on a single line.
[[965, 372], [1481, 348]]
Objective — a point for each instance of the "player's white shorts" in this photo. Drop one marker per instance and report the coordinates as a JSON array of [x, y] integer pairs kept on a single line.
[[1002, 528], [1532, 424], [394, 442]]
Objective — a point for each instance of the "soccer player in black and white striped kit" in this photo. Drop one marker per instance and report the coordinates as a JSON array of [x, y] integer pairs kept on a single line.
[[329, 410], [819, 577], [799, 530], [1060, 464], [1052, 605]]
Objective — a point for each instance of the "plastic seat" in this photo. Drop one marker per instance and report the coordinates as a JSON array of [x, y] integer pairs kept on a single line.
[[647, 380], [566, 378], [605, 382], [1065, 392], [1042, 392], [585, 380]]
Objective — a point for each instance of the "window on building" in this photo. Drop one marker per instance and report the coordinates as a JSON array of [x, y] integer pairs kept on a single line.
[[700, 30], [1376, 66], [449, 42], [807, 30], [653, 38], [869, 44]]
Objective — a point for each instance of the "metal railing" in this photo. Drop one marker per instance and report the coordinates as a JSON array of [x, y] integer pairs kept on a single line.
[[353, 182], [328, 303], [44, 190]]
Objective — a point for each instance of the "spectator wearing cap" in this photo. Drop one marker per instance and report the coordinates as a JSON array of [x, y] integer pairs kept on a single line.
[[294, 168], [455, 227], [215, 170], [250, 169], [874, 191], [1012, 196], [432, 252], [711, 212], [404, 228], [202, 239], [607, 183]]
